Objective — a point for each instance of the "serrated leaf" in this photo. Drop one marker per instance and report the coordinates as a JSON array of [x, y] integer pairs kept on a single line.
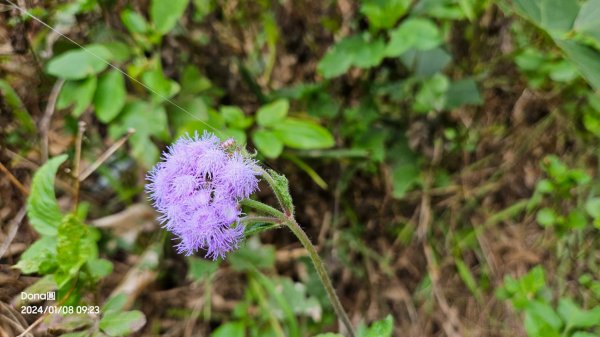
[[267, 143], [74, 247], [41, 251], [78, 93], [165, 14], [80, 63], [42, 209], [272, 113], [110, 96], [122, 323], [303, 134]]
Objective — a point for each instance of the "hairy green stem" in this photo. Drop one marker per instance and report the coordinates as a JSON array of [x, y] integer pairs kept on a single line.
[[320, 267], [259, 206], [289, 220]]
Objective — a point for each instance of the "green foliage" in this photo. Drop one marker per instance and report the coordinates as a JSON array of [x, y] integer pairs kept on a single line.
[[81, 63], [530, 295], [572, 28], [42, 209]]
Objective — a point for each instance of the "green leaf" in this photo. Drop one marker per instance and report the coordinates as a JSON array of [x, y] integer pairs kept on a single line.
[[303, 134], [586, 59], [592, 207], [148, 120], [119, 323], [417, 33], [110, 96], [134, 22], [201, 269], [161, 87], [99, 268], [165, 14], [575, 317], [80, 93], [383, 14], [74, 247], [231, 329], [115, 303], [426, 63], [42, 209], [192, 81], [235, 117], [405, 168], [79, 64], [432, 94], [329, 334], [267, 143], [461, 93], [248, 258], [41, 251], [18, 108], [587, 20], [546, 217], [544, 312], [272, 113], [465, 274], [576, 219], [555, 16], [358, 50], [382, 328]]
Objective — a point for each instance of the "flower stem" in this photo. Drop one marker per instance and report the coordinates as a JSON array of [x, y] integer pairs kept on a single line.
[[279, 185], [318, 263], [259, 206]]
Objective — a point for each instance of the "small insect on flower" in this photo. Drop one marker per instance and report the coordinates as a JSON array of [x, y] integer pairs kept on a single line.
[[197, 188]]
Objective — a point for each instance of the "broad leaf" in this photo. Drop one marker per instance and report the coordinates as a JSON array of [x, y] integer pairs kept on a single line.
[[231, 329], [148, 120], [110, 96], [165, 14], [272, 113], [78, 93], [74, 247], [417, 33], [80, 63], [303, 134], [383, 14], [267, 143], [119, 323], [382, 328], [42, 209]]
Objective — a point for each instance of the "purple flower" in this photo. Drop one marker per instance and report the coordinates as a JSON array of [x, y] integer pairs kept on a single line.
[[197, 188]]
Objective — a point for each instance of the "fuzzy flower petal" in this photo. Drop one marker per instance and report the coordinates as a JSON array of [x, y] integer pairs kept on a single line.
[[197, 188]]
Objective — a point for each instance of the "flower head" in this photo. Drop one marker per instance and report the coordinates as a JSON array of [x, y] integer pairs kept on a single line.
[[197, 188]]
